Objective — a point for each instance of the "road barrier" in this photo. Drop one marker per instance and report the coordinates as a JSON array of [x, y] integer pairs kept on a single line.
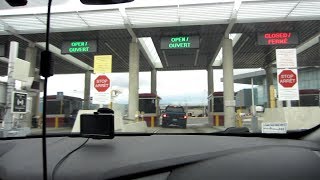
[[216, 119], [152, 120], [55, 121]]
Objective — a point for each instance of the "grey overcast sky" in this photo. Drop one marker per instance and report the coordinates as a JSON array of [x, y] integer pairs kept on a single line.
[[174, 87]]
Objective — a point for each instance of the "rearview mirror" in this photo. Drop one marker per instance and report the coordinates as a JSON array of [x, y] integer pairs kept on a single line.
[[104, 2]]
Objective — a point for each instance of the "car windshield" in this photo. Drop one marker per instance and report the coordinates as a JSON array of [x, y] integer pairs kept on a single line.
[[222, 63]]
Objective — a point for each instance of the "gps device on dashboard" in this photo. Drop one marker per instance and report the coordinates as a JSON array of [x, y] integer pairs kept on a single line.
[[99, 125]]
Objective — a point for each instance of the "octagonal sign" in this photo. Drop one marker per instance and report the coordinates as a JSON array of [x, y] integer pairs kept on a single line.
[[102, 83], [287, 78]]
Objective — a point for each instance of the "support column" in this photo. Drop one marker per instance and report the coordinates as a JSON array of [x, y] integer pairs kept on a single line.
[[87, 83], [133, 80], [154, 81], [253, 105], [269, 84], [8, 117], [279, 104], [288, 103], [210, 80], [31, 57], [228, 94]]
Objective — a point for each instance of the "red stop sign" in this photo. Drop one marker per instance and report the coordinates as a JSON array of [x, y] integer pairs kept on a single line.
[[102, 83], [287, 78]]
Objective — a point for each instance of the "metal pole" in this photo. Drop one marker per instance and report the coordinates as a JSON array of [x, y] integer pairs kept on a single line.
[[87, 84], [252, 99], [319, 98], [111, 99], [8, 118], [288, 103], [154, 81], [254, 119], [269, 84], [272, 97]]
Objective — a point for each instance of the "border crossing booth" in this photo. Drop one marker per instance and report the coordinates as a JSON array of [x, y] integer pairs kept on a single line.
[[59, 108], [215, 109], [149, 109], [308, 97]]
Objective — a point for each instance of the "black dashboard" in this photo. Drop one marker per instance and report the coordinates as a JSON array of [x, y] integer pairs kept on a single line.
[[162, 157]]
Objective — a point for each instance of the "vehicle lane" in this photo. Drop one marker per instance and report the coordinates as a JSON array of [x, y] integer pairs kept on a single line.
[[194, 125]]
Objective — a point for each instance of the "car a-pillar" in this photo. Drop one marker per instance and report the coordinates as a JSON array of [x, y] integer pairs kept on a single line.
[[133, 107], [228, 95]]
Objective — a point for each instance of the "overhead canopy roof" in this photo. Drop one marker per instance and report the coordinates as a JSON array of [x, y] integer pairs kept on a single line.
[[111, 26], [258, 77]]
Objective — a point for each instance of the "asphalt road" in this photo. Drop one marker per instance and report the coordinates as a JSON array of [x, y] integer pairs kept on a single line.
[[51, 130], [194, 125]]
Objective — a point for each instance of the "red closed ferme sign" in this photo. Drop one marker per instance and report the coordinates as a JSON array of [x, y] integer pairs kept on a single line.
[[277, 38]]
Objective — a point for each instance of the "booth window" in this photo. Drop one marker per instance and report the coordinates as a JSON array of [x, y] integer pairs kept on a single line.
[[147, 105], [54, 107], [218, 104]]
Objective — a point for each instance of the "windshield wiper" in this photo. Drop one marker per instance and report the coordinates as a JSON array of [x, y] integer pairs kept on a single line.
[[236, 130]]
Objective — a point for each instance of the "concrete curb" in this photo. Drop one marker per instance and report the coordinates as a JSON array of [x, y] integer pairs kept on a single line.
[[140, 126]]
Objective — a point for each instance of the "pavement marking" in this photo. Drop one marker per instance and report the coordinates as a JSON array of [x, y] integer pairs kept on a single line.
[[317, 153], [194, 124], [157, 130]]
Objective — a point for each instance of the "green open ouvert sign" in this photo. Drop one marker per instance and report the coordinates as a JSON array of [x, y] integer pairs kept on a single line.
[[180, 42], [69, 47]]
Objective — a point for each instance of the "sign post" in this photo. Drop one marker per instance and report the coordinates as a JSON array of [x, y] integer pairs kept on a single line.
[[286, 58], [102, 83], [102, 64], [19, 103], [287, 75], [101, 90], [288, 84], [274, 127]]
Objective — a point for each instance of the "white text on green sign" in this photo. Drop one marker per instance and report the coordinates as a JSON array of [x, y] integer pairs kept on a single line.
[[180, 42], [79, 47]]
